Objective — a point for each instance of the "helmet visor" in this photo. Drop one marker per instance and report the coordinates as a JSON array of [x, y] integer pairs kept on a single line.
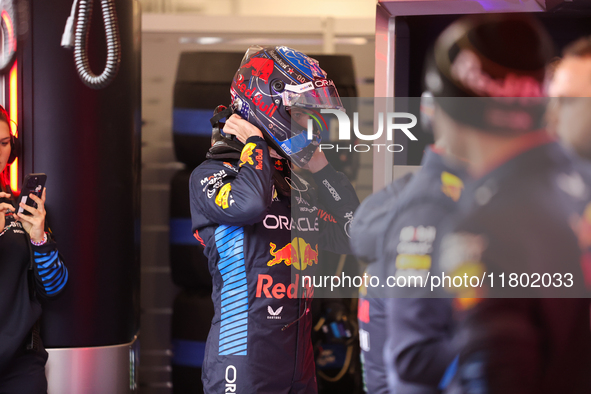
[[325, 97]]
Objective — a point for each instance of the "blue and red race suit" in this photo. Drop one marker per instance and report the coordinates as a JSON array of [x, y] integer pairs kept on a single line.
[[259, 243]]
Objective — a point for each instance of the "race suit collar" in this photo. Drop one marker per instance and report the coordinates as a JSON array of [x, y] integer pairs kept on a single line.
[[437, 159], [536, 159], [522, 144]]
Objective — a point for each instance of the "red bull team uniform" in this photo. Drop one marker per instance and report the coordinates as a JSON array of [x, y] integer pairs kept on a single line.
[[406, 337], [259, 244], [371, 219], [525, 219]]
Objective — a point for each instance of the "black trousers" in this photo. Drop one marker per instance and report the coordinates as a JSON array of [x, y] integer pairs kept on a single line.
[[26, 373]]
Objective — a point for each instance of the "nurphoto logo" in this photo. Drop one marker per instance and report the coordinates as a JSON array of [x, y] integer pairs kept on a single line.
[[388, 119]]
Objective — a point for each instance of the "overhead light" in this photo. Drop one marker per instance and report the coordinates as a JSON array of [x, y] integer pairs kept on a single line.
[[201, 40], [209, 40], [350, 40]]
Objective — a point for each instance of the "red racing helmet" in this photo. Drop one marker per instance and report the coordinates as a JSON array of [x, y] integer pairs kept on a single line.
[[273, 80]]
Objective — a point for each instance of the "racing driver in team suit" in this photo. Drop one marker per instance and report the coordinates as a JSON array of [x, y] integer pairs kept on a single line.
[[262, 224], [525, 217]]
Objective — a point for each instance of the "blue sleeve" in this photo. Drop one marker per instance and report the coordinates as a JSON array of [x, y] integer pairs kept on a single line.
[[420, 338], [51, 274], [338, 200], [223, 193], [420, 328]]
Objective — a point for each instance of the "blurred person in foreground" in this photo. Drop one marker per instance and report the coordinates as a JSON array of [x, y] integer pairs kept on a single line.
[[419, 348], [262, 224], [394, 231], [570, 89], [367, 244], [525, 215]]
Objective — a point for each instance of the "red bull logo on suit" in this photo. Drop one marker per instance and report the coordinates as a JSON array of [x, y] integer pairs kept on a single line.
[[298, 254], [265, 288], [246, 155]]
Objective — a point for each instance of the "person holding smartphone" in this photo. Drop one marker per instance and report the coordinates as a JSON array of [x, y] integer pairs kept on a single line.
[[30, 268]]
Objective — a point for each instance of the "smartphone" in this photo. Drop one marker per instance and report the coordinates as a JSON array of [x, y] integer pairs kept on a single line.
[[33, 184]]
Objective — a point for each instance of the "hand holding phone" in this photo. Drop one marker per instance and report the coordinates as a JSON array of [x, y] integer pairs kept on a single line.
[[33, 184], [33, 198]]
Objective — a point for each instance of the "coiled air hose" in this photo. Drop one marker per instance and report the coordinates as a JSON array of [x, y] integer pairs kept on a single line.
[[81, 42], [8, 25]]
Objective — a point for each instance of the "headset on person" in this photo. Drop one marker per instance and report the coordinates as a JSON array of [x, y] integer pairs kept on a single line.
[[14, 148]]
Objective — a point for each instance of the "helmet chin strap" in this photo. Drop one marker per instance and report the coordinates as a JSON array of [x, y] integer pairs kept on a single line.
[[223, 146], [225, 113]]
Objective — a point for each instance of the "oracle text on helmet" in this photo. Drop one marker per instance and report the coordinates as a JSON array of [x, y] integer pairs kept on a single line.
[[391, 125], [322, 83]]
